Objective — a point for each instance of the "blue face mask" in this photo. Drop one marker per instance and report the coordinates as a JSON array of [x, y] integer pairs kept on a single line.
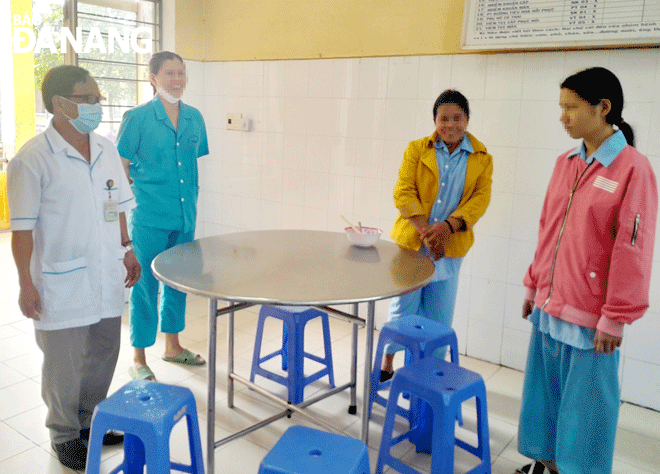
[[89, 117]]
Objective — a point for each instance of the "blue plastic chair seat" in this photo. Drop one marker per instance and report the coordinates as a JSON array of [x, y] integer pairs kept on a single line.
[[443, 386], [146, 412], [293, 350], [419, 336], [303, 450]]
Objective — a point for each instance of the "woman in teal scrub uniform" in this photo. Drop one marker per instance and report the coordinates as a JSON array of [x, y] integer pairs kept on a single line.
[[161, 140]]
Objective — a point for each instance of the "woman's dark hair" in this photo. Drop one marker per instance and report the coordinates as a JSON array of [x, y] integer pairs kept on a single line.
[[451, 96], [157, 60], [61, 80], [595, 84]]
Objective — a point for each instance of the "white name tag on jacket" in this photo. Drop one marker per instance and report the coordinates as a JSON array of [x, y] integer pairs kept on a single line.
[[605, 184]]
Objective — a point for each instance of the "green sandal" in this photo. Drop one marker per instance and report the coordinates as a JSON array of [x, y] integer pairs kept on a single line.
[[141, 373], [186, 357]]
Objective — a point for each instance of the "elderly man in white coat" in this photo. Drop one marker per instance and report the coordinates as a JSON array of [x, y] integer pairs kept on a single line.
[[68, 196]]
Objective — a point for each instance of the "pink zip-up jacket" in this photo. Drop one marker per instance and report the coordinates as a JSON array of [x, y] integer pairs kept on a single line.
[[592, 265]]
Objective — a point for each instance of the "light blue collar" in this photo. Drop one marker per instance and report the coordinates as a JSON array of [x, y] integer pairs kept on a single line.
[[464, 145], [607, 151]]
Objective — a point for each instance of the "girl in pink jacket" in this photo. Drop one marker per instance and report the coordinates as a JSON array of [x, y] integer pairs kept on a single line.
[[590, 276]]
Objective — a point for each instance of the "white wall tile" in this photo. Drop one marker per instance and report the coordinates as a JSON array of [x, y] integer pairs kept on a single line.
[[296, 78], [502, 132], [489, 257], [515, 295], [341, 194], [434, 76], [368, 157], [526, 216], [515, 345], [468, 75], [293, 216], [654, 125], [504, 168], [504, 76], [484, 341], [317, 187], [373, 78], [367, 198], [577, 60], [195, 73], [636, 71], [321, 78], [487, 301], [638, 116], [497, 219], [274, 78], [400, 119], [215, 78], [293, 187], [270, 215], [271, 183], [641, 383], [346, 78], [533, 170], [234, 82], [542, 76], [253, 78], [402, 77], [371, 119], [643, 334], [539, 124], [294, 151], [520, 257], [315, 219]]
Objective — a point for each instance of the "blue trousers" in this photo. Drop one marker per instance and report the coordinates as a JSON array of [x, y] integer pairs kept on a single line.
[[435, 301], [570, 406], [144, 311]]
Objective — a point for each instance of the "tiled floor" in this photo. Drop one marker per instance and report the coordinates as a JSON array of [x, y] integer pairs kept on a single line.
[[25, 447]]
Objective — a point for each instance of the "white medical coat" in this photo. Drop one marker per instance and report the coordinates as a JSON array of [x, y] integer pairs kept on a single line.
[[77, 260]]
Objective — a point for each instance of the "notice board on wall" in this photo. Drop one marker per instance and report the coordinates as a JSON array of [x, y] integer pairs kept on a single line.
[[538, 24]]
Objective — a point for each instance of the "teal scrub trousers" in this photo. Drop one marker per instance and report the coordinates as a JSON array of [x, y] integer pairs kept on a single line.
[[144, 310]]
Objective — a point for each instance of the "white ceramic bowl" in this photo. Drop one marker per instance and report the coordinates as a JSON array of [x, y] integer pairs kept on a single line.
[[368, 237]]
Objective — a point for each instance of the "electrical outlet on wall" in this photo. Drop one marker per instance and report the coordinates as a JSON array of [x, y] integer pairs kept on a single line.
[[234, 121]]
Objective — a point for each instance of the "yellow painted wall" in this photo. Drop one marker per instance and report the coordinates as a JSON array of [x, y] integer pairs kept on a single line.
[[291, 29], [190, 25], [23, 83]]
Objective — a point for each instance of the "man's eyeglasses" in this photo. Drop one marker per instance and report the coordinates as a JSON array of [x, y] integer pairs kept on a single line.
[[90, 99]]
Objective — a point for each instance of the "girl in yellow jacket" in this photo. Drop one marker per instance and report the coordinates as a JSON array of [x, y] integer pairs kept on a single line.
[[443, 189]]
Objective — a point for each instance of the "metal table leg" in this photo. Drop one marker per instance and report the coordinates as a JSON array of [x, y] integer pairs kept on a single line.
[[230, 358], [210, 399], [352, 408], [368, 355]]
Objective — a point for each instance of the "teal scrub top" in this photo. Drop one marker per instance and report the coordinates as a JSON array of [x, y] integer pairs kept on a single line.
[[163, 164]]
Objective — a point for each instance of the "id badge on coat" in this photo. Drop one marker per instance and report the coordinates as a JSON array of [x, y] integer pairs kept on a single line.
[[110, 209], [110, 213]]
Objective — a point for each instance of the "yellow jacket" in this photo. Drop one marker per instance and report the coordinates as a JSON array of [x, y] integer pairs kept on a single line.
[[417, 188]]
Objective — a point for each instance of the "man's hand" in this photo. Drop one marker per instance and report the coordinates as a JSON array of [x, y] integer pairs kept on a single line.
[[606, 343], [29, 302], [133, 269], [528, 307]]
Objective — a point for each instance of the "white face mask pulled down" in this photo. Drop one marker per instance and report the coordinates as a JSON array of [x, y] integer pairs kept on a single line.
[[166, 95]]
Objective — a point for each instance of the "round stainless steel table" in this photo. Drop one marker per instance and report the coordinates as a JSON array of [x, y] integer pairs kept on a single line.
[[289, 267]]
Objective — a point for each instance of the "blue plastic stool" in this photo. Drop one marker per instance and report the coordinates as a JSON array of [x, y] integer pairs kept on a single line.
[[293, 350], [146, 412], [443, 386], [303, 450], [419, 336]]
